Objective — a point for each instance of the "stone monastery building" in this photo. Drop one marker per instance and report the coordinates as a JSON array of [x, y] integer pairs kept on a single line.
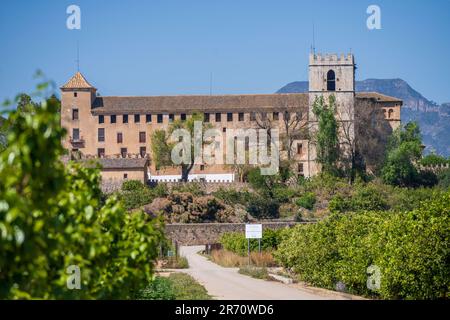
[[117, 130]]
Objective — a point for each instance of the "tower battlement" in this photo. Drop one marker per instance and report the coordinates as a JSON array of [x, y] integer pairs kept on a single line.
[[331, 59]]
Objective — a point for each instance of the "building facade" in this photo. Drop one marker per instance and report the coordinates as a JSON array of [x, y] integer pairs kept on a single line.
[[114, 127]]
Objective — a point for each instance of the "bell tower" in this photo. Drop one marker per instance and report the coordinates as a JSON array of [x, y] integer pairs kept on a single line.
[[331, 74], [77, 97]]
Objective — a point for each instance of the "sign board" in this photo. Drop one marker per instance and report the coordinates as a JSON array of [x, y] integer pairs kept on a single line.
[[253, 231]]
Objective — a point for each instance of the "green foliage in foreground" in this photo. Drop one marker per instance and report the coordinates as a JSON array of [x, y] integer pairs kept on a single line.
[[52, 217], [178, 286], [410, 248], [237, 243]]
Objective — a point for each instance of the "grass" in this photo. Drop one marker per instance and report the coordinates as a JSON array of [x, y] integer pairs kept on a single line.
[[175, 263], [177, 286], [255, 272], [230, 259]]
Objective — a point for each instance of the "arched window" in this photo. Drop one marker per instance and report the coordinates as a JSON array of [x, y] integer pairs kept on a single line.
[[331, 81]]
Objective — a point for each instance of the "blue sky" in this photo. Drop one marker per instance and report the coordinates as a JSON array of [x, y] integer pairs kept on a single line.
[[170, 47]]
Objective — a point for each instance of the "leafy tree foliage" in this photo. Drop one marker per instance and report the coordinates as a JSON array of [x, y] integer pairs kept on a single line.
[[404, 150], [327, 141], [52, 217], [162, 146]]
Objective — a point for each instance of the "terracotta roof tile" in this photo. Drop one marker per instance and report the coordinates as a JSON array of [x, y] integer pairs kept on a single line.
[[222, 103], [78, 81]]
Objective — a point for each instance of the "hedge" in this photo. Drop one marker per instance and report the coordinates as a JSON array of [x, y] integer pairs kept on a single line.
[[237, 243], [410, 248]]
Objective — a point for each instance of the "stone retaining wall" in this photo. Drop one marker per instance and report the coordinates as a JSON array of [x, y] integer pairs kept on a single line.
[[209, 233]]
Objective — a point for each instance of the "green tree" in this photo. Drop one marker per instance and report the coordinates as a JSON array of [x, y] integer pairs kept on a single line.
[[327, 140], [404, 150], [52, 217], [162, 145]]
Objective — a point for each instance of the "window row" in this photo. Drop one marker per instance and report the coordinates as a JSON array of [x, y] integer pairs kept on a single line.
[[101, 136], [123, 152], [230, 117], [137, 118]]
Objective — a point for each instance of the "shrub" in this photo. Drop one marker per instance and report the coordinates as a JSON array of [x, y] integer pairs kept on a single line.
[[410, 248], [232, 196], [160, 288], [434, 160], [237, 243], [132, 185], [366, 197], [263, 208], [444, 179], [307, 201]]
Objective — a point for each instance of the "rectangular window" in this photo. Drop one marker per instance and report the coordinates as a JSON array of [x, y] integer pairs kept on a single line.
[[113, 118], [276, 116], [148, 118], [123, 152], [183, 117], [119, 137], [74, 114], [300, 168], [101, 119], [143, 151], [137, 118], [241, 116], [125, 175], [142, 137], [75, 94], [100, 152], [229, 117], [101, 134], [171, 117], [206, 117], [125, 118], [202, 167], [160, 118], [218, 117], [252, 116], [76, 134], [299, 148], [224, 129]]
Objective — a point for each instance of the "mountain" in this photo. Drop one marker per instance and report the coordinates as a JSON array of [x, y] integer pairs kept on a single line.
[[434, 119]]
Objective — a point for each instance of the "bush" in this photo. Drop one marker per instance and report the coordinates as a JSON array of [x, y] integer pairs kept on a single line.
[[434, 160], [366, 197], [444, 179], [160, 288], [307, 201], [263, 208], [237, 243], [410, 249], [132, 185], [232, 196]]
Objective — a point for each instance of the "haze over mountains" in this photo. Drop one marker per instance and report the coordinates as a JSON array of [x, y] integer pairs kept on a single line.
[[434, 119]]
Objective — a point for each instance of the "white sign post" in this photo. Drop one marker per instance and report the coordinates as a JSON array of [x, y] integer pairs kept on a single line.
[[253, 231]]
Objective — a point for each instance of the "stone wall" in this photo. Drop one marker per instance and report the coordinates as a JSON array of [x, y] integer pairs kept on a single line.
[[209, 233]]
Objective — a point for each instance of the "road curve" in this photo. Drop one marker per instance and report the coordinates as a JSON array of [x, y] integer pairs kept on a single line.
[[228, 284]]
